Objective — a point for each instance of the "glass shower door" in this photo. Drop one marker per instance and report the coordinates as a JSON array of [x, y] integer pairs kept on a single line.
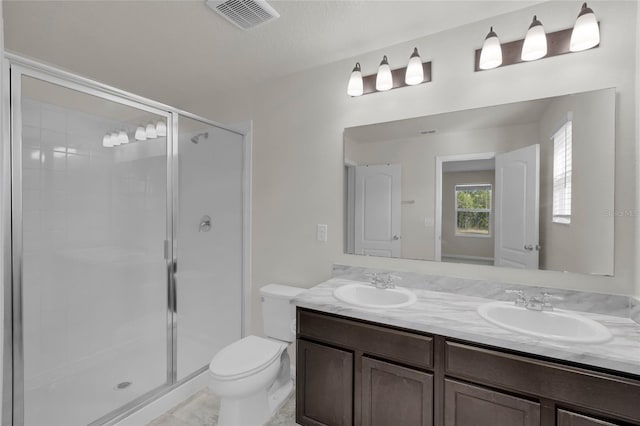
[[209, 235], [92, 199]]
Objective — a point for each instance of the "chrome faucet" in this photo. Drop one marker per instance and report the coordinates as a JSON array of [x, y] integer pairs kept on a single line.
[[542, 302], [521, 299], [383, 282], [534, 303]]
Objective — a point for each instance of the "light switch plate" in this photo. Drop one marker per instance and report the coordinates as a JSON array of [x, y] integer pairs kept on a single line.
[[322, 232]]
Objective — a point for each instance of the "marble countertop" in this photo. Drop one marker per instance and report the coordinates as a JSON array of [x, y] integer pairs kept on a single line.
[[455, 315]]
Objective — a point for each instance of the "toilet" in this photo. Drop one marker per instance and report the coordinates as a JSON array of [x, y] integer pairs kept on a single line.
[[252, 376]]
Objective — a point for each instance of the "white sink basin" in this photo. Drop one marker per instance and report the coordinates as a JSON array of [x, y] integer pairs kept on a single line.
[[367, 296], [554, 325]]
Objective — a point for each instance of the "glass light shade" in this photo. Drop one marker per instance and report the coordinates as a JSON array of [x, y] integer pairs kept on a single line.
[[141, 134], [586, 32], [151, 131], [123, 137], [106, 141], [115, 139], [415, 73], [384, 79], [354, 88], [535, 42], [161, 128], [491, 53]]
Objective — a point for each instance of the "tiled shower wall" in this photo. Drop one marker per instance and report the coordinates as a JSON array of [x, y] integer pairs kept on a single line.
[[93, 233]]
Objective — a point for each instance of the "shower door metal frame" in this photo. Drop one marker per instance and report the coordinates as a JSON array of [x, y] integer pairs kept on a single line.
[[11, 169]]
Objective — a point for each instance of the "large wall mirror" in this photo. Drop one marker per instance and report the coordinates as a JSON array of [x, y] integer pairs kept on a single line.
[[524, 185]]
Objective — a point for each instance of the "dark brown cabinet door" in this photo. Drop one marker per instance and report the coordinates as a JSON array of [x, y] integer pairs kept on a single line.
[[467, 405], [393, 395], [567, 418], [324, 389]]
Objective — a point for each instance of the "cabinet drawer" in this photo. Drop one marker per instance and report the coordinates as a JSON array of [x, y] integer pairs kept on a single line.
[[396, 345], [567, 418], [544, 379]]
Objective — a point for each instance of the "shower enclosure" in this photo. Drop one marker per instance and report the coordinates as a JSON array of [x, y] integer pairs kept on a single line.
[[127, 254]]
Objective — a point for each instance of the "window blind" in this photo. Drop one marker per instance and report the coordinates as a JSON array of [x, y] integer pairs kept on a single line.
[[562, 141]]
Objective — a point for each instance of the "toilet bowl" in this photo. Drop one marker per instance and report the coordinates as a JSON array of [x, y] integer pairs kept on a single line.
[[252, 376]]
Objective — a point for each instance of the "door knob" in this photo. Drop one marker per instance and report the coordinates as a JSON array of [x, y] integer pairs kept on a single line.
[[528, 247], [395, 237]]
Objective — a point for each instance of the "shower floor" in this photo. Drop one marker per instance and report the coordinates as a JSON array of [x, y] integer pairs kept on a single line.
[[81, 398]]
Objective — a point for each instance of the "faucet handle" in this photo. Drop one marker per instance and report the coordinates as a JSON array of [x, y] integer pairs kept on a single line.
[[521, 299], [549, 296], [546, 299], [376, 280]]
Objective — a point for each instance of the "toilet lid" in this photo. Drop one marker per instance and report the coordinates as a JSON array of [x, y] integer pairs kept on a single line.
[[245, 356]]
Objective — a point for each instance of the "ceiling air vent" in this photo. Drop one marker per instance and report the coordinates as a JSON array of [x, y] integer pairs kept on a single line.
[[245, 14]]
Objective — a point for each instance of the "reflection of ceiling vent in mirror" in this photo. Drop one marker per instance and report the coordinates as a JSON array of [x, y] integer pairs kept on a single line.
[[245, 14]]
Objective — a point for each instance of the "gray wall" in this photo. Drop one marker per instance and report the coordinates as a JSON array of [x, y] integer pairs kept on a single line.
[[587, 243]]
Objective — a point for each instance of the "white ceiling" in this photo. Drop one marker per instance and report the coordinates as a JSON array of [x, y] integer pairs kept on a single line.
[[175, 51]]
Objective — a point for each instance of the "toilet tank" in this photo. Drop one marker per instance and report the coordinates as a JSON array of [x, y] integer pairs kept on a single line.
[[278, 314]]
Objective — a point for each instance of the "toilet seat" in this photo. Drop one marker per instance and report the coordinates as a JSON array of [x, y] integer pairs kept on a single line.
[[245, 357]]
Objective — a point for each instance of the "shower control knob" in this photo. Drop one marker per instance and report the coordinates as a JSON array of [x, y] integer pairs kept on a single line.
[[205, 224]]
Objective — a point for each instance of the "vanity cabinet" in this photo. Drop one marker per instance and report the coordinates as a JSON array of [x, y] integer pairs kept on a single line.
[[353, 372], [327, 383]]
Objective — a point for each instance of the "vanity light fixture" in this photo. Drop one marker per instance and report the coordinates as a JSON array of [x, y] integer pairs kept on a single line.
[[415, 73], [535, 42], [151, 131], [161, 128], [355, 86], [586, 31], [123, 137], [115, 139], [141, 134], [384, 79], [106, 141], [491, 54]]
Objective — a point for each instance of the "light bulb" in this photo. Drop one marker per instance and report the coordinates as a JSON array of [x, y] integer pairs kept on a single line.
[[123, 137], [535, 42], [106, 141], [586, 32], [141, 134], [491, 54], [161, 128], [354, 88], [151, 131], [415, 72], [115, 139], [384, 79]]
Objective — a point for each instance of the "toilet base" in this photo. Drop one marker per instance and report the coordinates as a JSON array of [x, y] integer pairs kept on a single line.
[[234, 412], [278, 397]]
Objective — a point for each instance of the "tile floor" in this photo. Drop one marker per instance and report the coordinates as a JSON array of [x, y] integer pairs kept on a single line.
[[202, 410]]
